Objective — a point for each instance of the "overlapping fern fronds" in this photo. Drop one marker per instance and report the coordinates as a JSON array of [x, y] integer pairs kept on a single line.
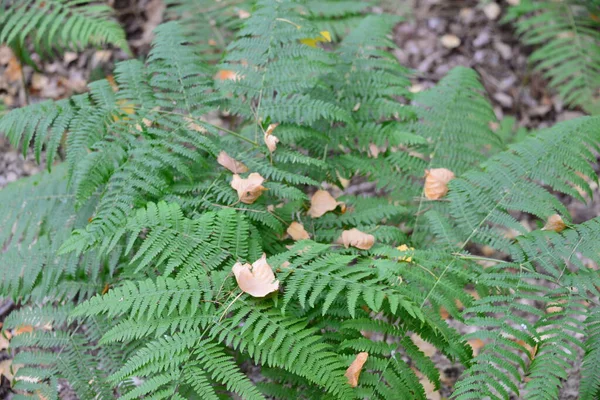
[[567, 39], [58, 25]]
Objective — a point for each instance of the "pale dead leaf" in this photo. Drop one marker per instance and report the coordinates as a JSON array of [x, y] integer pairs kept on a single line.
[[237, 167], [404, 247], [8, 369], [258, 279], [373, 150], [476, 345], [450, 41], [243, 14], [12, 73], [427, 348], [436, 182], [513, 2], [358, 239], [226, 74], [354, 370], [270, 139], [297, 232], [4, 342], [322, 202], [492, 10], [429, 388], [416, 88], [555, 223], [194, 126], [248, 189], [22, 329]]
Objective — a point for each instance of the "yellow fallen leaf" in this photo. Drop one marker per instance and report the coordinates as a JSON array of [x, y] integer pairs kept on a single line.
[[258, 279], [555, 223], [324, 36], [248, 189], [270, 139], [237, 167], [404, 247], [358, 239], [297, 232], [322, 202], [436, 182], [354, 370]]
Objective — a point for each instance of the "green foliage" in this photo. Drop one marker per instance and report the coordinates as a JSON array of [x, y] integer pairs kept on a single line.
[[567, 39], [58, 25], [121, 257]]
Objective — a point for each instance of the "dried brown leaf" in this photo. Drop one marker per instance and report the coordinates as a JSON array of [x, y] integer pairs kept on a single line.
[[436, 182], [258, 279], [555, 223], [427, 348], [354, 370], [322, 202], [358, 239], [270, 139], [297, 232], [248, 189], [237, 167]]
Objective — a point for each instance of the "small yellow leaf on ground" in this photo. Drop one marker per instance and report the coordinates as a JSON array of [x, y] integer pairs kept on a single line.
[[450, 41], [354, 370], [322, 202], [258, 279], [237, 167], [324, 36], [270, 139], [404, 247], [297, 232], [358, 239], [436, 182], [555, 223], [248, 189]]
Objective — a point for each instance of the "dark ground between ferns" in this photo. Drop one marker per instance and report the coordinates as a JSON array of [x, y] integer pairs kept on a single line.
[[487, 45]]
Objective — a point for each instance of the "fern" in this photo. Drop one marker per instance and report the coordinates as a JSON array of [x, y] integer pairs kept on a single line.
[[566, 34], [59, 25]]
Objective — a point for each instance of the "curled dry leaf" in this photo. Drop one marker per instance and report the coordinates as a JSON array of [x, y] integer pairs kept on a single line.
[[297, 232], [235, 166], [270, 139], [555, 223], [354, 370], [404, 247], [358, 239], [248, 189], [22, 329], [258, 279], [436, 182], [322, 202]]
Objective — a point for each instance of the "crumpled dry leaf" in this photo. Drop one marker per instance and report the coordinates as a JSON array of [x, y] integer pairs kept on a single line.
[[450, 41], [258, 279], [297, 232], [555, 223], [404, 247], [248, 189], [358, 239], [354, 370], [436, 182], [322, 202], [324, 36], [270, 139], [235, 166]]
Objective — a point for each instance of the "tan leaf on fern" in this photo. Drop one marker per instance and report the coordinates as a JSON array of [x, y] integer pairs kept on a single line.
[[258, 279], [436, 182], [358, 239], [555, 223], [322, 202], [354, 370], [297, 232], [235, 166], [270, 139], [248, 189]]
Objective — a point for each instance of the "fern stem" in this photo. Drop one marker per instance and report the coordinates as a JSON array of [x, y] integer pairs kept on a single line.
[[478, 258]]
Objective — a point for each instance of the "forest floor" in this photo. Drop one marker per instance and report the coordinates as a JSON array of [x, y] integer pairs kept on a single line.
[[486, 45]]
